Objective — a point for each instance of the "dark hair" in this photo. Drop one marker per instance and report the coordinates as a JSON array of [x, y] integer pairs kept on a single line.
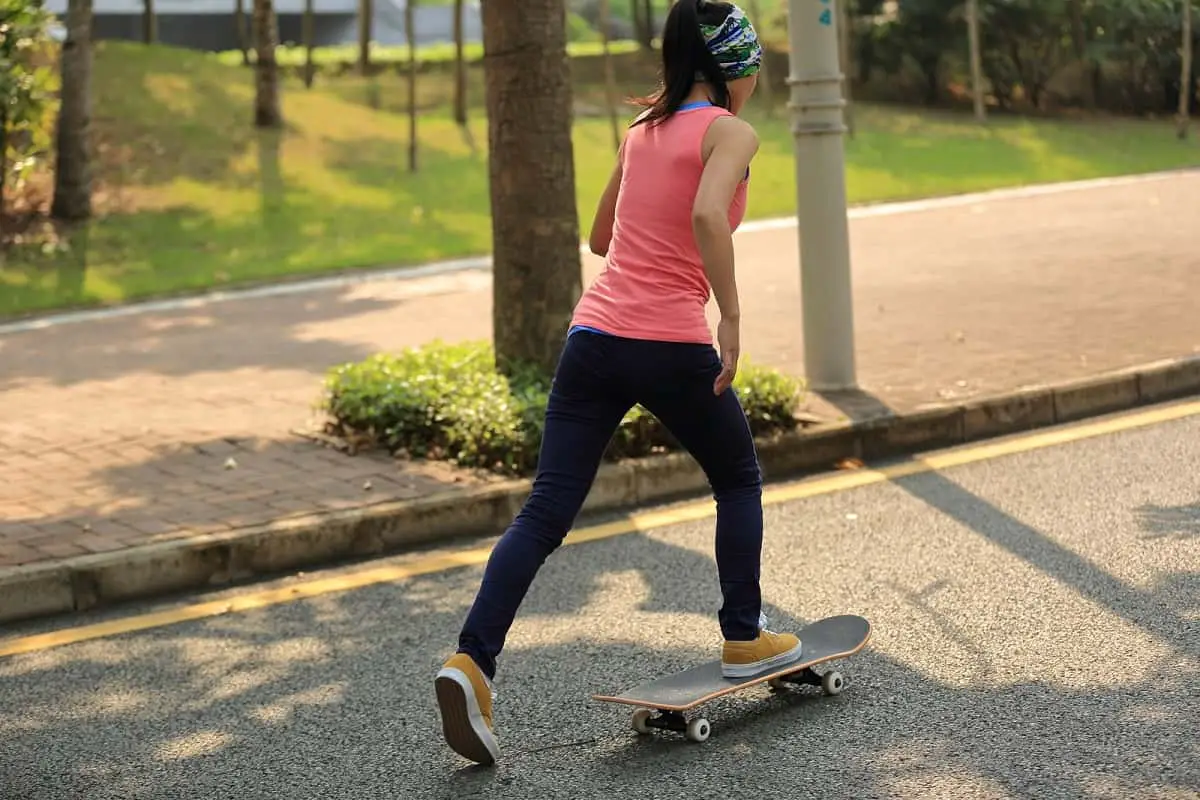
[[684, 54]]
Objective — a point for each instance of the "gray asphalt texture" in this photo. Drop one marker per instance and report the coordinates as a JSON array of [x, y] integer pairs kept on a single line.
[[1037, 635]]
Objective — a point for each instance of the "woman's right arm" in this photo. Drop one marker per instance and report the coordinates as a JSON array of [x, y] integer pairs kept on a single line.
[[730, 145]]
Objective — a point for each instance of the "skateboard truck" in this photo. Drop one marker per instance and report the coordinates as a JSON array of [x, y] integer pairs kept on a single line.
[[831, 682], [697, 730]]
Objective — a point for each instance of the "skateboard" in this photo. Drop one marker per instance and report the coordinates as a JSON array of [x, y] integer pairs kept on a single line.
[[675, 695]]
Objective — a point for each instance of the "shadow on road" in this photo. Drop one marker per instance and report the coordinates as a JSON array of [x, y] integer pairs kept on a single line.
[[1178, 522], [1140, 608], [331, 697]]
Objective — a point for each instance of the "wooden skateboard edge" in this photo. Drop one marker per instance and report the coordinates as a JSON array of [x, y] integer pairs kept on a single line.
[[795, 666]]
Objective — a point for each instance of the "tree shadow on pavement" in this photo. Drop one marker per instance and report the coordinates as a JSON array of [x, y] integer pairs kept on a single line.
[[1170, 522], [332, 696], [1137, 607], [204, 339]]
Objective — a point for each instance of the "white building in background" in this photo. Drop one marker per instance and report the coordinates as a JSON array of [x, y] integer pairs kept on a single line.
[[209, 24]]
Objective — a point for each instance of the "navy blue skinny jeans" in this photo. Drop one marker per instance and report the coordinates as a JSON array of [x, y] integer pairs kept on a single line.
[[598, 379]]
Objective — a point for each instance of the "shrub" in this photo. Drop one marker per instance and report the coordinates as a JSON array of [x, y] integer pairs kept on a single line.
[[27, 81], [447, 401]]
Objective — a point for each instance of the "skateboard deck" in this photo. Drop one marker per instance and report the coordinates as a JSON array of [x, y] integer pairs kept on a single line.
[[674, 695]]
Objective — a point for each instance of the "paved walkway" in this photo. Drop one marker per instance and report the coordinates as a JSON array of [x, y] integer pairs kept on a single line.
[[120, 431]]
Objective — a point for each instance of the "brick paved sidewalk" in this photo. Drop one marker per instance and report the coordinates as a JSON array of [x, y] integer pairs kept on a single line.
[[119, 432]]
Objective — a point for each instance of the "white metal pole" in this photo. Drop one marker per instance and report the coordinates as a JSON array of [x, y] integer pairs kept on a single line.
[[818, 128]]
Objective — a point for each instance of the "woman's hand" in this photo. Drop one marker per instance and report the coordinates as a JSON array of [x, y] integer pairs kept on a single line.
[[729, 339]]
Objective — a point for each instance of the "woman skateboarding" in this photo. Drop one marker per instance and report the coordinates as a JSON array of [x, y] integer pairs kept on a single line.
[[639, 335]]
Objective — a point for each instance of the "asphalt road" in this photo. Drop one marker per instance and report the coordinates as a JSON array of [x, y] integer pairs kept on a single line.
[[1037, 635]]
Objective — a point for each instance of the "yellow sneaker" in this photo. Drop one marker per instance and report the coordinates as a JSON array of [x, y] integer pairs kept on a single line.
[[768, 651], [464, 697]]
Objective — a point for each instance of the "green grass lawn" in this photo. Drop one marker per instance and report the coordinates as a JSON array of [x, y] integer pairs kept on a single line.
[[192, 196], [294, 55]]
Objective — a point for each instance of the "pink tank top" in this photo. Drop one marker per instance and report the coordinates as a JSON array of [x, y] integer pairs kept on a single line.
[[653, 285]]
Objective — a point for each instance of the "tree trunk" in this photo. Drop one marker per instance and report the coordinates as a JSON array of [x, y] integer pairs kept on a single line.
[[366, 10], [930, 67], [1079, 44], [537, 272], [460, 62], [307, 33], [239, 22], [410, 32], [460, 74], [3, 156], [73, 169], [976, 60], [610, 78], [1079, 40], [643, 23], [149, 22], [1185, 74], [266, 72], [1078, 29]]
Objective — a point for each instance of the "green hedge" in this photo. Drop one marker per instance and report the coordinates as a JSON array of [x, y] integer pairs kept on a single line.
[[447, 402]]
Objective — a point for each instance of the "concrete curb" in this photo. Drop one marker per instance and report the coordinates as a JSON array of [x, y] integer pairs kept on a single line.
[[210, 561]]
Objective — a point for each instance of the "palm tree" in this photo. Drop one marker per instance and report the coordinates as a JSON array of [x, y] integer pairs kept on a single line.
[[537, 274], [266, 72], [73, 168]]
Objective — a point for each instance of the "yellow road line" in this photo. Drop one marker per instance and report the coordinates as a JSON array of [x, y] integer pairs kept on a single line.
[[632, 523]]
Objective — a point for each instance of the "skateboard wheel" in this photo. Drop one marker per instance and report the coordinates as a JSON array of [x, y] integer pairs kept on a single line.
[[832, 683], [698, 730], [640, 718], [777, 684]]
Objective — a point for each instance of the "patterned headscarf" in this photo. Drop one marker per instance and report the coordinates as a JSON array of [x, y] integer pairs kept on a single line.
[[735, 44]]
